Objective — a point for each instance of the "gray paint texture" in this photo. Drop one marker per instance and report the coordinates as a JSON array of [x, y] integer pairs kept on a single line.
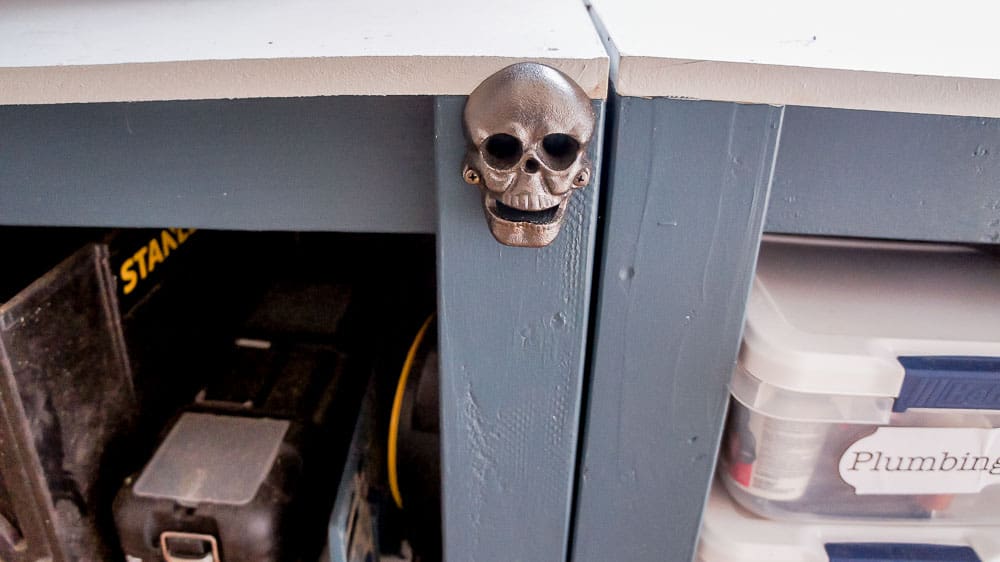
[[686, 192], [512, 330], [887, 175], [324, 163]]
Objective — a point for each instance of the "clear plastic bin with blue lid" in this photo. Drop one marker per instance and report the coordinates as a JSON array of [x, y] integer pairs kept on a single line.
[[732, 534], [868, 384]]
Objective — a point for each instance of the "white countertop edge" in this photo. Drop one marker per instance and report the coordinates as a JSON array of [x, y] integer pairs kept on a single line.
[[648, 77], [274, 78]]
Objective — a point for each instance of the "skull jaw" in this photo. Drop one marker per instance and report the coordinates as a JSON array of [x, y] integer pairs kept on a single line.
[[523, 234]]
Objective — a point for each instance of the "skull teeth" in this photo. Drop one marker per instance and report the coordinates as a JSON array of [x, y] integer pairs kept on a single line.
[[530, 201]]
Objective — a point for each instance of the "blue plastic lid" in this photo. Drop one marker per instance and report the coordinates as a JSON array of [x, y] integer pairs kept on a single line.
[[949, 382], [899, 552]]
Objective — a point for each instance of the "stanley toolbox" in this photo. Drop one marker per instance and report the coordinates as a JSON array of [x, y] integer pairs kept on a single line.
[[248, 472]]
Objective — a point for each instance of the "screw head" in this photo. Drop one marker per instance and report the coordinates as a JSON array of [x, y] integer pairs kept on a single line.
[[471, 176]]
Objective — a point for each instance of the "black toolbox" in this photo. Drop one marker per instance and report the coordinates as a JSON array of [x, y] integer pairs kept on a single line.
[[247, 472]]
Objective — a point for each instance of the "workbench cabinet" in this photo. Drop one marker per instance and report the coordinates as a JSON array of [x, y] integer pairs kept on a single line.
[[309, 116]]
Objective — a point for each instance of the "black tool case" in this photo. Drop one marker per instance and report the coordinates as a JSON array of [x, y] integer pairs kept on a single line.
[[247, 472], [215, 479]]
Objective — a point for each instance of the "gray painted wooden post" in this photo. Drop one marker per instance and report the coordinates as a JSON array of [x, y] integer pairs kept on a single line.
[[512, 330], [687, 188]]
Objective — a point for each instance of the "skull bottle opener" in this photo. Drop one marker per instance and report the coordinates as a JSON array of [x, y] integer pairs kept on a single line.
[[528, 128]]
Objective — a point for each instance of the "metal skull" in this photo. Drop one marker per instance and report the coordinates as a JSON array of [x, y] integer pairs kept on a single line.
[[528, 128]]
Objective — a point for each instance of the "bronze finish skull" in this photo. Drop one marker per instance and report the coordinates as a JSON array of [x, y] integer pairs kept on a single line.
[[528, 128]]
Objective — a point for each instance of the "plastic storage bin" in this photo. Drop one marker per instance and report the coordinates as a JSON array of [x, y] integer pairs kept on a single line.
[[732, 534], [868, 384], [67, 407]]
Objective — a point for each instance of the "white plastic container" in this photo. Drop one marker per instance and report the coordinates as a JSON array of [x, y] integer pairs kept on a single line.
[[868, 384], [732, 534]]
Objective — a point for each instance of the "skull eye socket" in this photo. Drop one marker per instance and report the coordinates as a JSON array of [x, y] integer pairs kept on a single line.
[[560, 151], [502, 151]]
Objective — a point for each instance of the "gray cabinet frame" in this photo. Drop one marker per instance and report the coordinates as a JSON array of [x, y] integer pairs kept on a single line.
[[690, 187]]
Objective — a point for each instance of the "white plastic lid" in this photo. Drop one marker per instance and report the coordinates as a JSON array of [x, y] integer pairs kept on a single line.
[[731, 534], [209, 458], [832, 316]]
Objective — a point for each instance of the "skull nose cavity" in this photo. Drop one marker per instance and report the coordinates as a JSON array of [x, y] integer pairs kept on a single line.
[[531, 165]]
